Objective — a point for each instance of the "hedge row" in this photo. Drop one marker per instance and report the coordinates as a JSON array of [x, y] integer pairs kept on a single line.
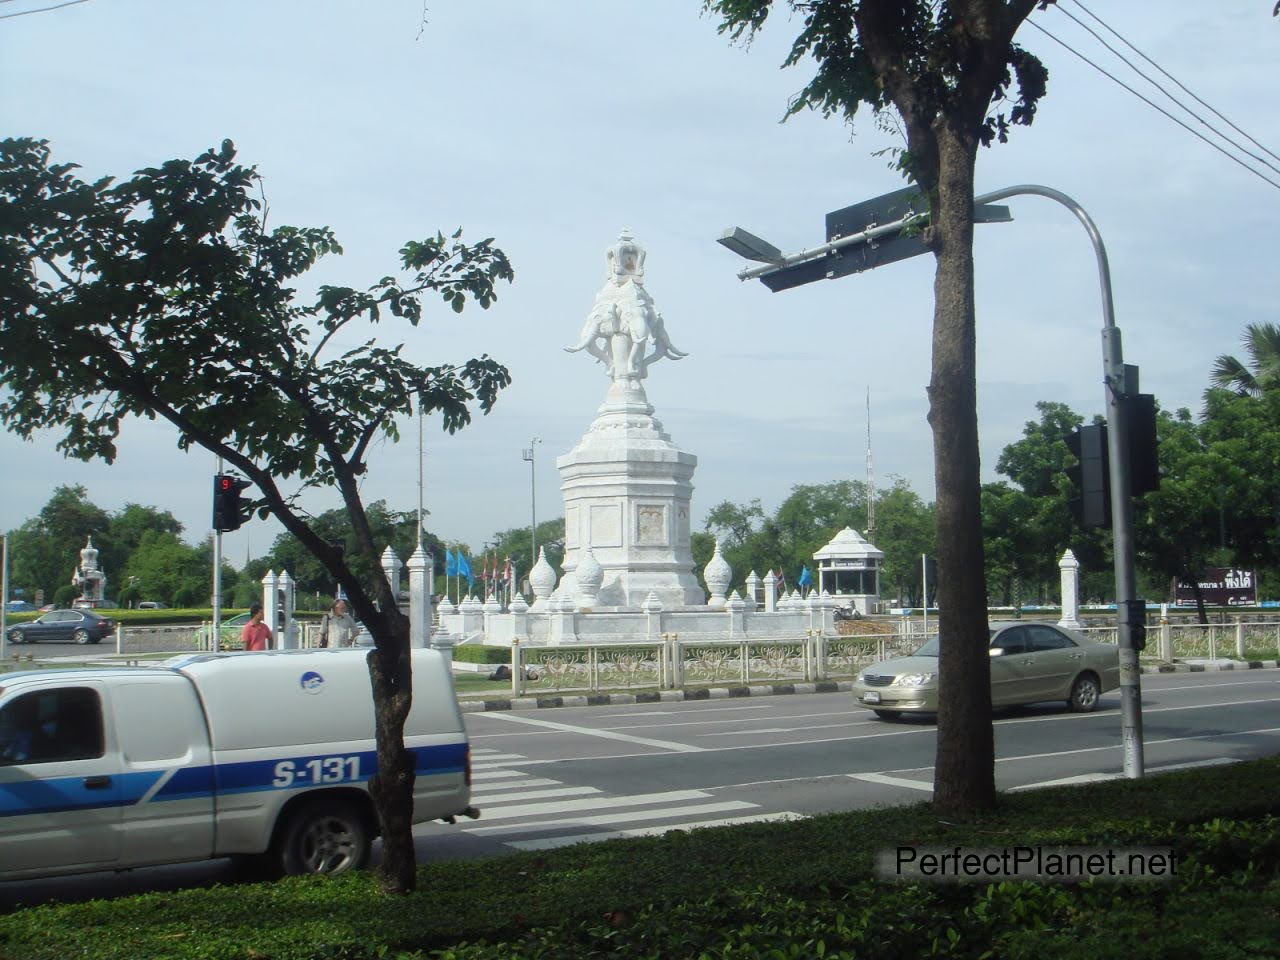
[[799, 889]]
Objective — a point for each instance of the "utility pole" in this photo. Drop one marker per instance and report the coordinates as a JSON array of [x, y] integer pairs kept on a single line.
[[527, 454]]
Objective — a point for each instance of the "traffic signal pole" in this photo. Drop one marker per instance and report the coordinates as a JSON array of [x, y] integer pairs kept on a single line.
[[877, 232], [1130, 611]]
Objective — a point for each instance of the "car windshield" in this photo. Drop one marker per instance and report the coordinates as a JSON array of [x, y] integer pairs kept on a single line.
[[930, 649]]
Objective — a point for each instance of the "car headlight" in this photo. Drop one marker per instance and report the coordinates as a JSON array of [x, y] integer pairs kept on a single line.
[[915, 679], [862, 678]]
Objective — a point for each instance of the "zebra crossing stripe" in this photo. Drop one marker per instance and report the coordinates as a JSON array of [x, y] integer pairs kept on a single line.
[[528, 782], [550, 843], [496, 774], [609, 819], [595, 803], [486, 802]]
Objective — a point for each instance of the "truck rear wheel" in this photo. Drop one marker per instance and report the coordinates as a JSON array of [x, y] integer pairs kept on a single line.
[[325, 836]]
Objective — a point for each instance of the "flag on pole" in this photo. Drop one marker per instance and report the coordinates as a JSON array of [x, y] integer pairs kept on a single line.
[[806, 578], [450, 563], [782, 579], [464, 569]]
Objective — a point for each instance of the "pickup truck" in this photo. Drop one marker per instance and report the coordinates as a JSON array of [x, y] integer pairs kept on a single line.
[[260, 756]]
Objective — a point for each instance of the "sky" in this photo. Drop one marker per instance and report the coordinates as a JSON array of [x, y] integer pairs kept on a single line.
[[552, 126]]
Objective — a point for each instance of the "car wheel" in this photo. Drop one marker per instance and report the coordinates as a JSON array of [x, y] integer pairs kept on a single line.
[[888, 714], [15, 636], [325, 836], [1084, 694], [81, 636]]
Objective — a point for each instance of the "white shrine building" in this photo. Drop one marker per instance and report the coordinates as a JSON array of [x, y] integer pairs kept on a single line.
[[849, 569]]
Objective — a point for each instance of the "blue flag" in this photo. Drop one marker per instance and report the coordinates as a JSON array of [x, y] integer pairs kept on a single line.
[[806, 578], [450, 563], [464, 569]]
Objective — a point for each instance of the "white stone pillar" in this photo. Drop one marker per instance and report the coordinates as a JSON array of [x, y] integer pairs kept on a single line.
[[391, 566], [420, 616], [752, 587], [271, 605], [737, 619], [288, 636], [652, 608], [1070, 568], [519, 618], [770, 592]]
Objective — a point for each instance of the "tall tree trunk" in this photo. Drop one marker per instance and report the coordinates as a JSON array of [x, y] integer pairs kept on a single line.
[[964, 778], [392, 786]]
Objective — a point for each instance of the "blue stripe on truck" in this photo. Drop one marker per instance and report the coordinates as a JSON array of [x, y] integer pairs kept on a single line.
[[61, 794]]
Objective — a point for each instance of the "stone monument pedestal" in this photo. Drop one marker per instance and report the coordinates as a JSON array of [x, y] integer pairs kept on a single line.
[[627, 491]]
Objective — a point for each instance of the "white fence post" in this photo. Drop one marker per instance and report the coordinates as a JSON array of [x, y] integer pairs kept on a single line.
[[517, 669]]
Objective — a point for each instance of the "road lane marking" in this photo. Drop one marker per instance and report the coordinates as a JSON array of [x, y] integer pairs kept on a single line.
[[892, 781], [496, 774], [621, 816], [1065, 781], [483, 759], [708, 723], [605, 734]]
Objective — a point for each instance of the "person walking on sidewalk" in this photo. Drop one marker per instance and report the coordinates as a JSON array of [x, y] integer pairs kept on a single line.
[[338, 628], [256, 635]]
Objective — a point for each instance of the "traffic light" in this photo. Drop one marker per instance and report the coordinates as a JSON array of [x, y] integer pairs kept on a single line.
[[229, 511], [1139, 412], [1090, 499]]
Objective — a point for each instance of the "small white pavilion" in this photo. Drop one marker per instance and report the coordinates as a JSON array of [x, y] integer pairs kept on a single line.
[[849, 568]]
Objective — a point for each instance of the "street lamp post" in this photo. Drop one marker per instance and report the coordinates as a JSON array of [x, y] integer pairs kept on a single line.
[[527, 454]]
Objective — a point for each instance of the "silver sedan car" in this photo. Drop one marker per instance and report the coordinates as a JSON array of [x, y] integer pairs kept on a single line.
[[1030, 662]]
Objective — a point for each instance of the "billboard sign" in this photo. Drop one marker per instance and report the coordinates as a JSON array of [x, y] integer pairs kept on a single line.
[[1221, 587]]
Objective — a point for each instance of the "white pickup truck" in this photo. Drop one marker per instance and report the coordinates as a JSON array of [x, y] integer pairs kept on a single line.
[[265, 756]]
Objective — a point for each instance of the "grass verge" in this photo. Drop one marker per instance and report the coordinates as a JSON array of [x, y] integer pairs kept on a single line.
[[801, 889]]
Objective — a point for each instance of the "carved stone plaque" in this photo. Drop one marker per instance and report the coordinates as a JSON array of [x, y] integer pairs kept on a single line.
[[651, 525]]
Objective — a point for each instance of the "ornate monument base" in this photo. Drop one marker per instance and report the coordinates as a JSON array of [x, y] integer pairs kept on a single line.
[[627, 491]]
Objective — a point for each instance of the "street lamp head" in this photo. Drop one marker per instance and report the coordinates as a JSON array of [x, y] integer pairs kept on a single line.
[[749, 246]]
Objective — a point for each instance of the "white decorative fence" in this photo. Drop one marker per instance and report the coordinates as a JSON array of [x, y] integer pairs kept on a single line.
[[674, 662]]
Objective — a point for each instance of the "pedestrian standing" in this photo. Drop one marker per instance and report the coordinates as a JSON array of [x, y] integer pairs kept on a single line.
[[256, 635], [337, 627]]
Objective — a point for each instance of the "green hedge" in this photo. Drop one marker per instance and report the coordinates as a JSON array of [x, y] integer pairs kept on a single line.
[[779, 890], [475, 653]]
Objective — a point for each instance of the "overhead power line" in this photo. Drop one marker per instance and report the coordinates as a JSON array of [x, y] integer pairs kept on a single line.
[[24, 13], [1158, 86], [1190, 93], [1156, 106]]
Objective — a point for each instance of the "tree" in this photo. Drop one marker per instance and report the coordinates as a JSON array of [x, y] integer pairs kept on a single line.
[[391, 528], [905, 529], [514, 544], [167, 295], [1031, 537], [46, 549], [126, 529], [1262, 372], [164, 568], [947, 70]]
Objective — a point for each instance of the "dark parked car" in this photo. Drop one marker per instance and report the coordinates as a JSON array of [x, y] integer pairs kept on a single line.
[[80, 626]]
